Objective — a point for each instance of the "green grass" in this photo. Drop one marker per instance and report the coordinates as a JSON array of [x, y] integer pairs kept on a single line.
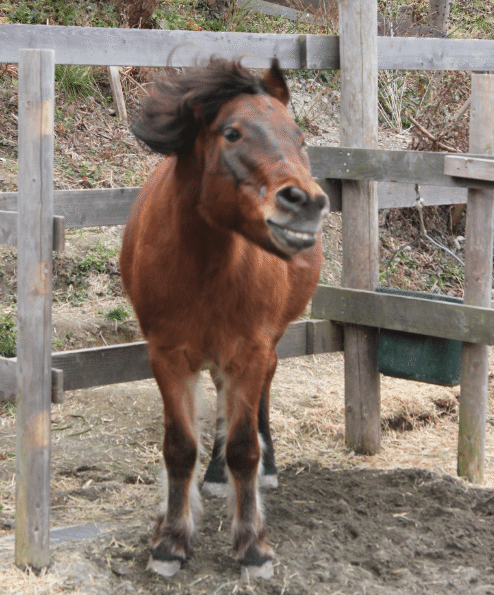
[[75, 80], [97, 258], [61, 12], [119, 314], [8, 336]]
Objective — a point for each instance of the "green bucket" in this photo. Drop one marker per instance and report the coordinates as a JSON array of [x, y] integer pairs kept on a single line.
[[419, 357]]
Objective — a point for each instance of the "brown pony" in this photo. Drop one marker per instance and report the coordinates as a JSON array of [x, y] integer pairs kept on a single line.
[[221, 251]]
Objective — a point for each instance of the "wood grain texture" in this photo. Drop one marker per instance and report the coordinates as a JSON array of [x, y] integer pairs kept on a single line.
[[8, 230], [426, 317], [111, 206], [85, 368], [474, 168], [8, 374], [117, 93], [34, 285], [85, 208], [410, 167], [478, 289], [360, 232], [137, 47]]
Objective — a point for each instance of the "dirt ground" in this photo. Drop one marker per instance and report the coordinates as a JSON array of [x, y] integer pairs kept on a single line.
[[399, 522]]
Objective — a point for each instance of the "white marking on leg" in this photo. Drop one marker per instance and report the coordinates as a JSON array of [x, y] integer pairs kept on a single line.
[[164, 568], [264, 571]]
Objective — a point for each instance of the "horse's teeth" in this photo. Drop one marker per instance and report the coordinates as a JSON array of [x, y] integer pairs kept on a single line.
[[299, 234]]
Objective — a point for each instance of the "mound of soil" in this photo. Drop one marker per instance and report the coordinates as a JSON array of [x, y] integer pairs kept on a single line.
[[334, 531]]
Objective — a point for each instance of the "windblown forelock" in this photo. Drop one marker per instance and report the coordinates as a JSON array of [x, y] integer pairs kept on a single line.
[[180, 104]]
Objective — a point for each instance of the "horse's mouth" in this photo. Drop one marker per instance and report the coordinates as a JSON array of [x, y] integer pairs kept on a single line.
[[289, 240]]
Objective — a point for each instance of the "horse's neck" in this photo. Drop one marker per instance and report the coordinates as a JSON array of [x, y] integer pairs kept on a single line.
[[204, 240]]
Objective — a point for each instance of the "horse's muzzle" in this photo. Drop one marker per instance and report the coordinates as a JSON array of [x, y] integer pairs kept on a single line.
[[296, 221]]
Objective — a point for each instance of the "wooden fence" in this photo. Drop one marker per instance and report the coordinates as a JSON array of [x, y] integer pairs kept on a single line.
[[359, 180]]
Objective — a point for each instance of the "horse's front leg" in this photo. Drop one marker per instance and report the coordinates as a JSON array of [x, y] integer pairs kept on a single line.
[[244, 382], [174, 533]]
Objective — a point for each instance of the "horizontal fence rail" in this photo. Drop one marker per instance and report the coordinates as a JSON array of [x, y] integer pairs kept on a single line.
[[409, 314], [98, 366], [9, 233], [135, 47], [114, 204], [464, 166], [381, 165], [397, 172]]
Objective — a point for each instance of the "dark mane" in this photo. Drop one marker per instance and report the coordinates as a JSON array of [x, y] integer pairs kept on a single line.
[[179, 104]]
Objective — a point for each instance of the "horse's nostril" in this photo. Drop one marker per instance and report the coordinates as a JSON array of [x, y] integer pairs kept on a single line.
[[291, 196], [321, 201]]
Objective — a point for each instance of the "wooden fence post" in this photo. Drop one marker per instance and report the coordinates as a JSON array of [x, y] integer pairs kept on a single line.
[[117, 93], [358, 56], [34, 286], [478, 288]]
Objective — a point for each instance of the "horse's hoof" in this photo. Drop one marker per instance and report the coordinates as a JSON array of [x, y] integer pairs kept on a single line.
[[215, 489], [268, 482], [164, 560], [164, 567], [264, 571]]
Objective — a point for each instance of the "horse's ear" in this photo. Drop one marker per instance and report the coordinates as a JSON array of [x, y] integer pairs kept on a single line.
[[274, 83]]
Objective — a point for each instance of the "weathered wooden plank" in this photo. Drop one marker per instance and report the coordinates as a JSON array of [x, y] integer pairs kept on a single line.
[[360, 229], [411, 167], [111, 206], [84, 368], [117, 93], [146, 47], [8, 230], [410, 53], [478, 289], [469, 167], [86, 208], [8, 374], [135, 47], [34, 285], [294, 341], [419, 53], [94, 207], [324, 336], [8, 381], [397, 195], [323, 52], [424, 317], [100, 366]]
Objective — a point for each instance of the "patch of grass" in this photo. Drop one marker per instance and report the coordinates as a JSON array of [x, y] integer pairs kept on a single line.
[[78, 296], [60, 12], [8, 336], [119, 314], [76, 80], [97, 259]]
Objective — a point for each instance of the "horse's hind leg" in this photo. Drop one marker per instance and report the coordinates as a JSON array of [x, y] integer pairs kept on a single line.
[[269, 475], [172, 542], [215, 479]]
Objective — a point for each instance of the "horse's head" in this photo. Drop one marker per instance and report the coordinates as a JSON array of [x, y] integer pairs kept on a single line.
[[256, 177]]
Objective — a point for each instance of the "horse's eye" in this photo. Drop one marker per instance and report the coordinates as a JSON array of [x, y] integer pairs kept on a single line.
[[232, 135]]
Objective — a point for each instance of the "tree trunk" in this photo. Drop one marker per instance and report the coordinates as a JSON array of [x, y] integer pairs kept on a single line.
[[136, 13], [220, 9]]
